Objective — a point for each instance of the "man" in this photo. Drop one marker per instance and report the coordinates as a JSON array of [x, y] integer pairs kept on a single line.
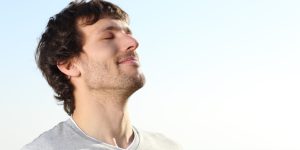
[[88, 56]]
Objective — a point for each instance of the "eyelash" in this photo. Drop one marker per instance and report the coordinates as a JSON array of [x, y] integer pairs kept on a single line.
[[108, 36]]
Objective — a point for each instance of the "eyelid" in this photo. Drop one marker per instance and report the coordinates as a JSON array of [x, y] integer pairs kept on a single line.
[[108, 35]]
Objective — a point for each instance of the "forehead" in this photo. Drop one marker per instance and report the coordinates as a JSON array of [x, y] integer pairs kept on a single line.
[[103, 25]]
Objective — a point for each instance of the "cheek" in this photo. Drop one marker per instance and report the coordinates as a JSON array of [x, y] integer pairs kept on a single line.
[[100, 59], [101, 66], [110, 46], [101, 49]]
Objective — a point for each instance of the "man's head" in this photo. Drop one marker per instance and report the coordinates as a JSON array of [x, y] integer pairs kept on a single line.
[[88, 45]]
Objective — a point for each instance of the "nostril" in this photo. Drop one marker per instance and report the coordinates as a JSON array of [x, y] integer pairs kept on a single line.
[[133, 45], [130, 48]]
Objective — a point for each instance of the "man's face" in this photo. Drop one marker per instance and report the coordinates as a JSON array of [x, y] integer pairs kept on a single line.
[[109, 59]]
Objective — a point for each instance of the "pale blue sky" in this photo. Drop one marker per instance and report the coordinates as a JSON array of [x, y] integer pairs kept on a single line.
[[221, 74]]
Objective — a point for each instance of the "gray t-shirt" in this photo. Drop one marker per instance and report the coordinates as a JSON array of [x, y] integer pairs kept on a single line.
[[67, 136]]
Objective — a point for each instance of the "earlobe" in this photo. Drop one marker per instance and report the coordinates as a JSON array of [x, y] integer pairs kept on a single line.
[[69, 69]]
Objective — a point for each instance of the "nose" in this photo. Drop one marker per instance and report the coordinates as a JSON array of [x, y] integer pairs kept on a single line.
[[130, 44]]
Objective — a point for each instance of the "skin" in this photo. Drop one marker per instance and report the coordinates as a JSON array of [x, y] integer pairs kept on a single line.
[[105, 75]]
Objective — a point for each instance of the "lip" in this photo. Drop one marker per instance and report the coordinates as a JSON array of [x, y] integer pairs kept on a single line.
[[128, 60]]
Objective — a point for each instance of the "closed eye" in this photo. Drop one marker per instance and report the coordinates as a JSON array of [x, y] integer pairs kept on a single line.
[[108, 36]]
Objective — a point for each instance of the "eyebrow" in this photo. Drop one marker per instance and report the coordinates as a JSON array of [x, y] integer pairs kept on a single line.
[[116, 28]]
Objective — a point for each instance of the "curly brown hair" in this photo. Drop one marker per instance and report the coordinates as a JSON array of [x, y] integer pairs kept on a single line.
[[62, 41]]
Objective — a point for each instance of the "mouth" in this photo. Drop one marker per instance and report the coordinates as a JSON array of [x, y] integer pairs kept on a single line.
[[131, 60]]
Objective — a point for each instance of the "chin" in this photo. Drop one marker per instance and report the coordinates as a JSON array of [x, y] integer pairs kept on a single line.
[[136, 82]]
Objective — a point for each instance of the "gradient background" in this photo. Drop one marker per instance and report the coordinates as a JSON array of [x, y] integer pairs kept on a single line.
[[221, 74]]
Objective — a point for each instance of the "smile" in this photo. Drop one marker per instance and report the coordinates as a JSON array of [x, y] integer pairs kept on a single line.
[[129, 60]]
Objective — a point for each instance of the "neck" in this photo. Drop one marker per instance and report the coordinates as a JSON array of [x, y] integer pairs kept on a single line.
[[104, 116]]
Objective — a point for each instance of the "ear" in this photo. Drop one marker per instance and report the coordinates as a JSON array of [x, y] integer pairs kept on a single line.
[[68, 68]]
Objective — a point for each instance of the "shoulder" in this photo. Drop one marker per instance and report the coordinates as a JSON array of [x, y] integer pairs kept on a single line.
[[154, 140], [49, 139]]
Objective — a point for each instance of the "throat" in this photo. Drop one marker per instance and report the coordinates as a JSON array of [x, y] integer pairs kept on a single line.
[[106, 122]]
